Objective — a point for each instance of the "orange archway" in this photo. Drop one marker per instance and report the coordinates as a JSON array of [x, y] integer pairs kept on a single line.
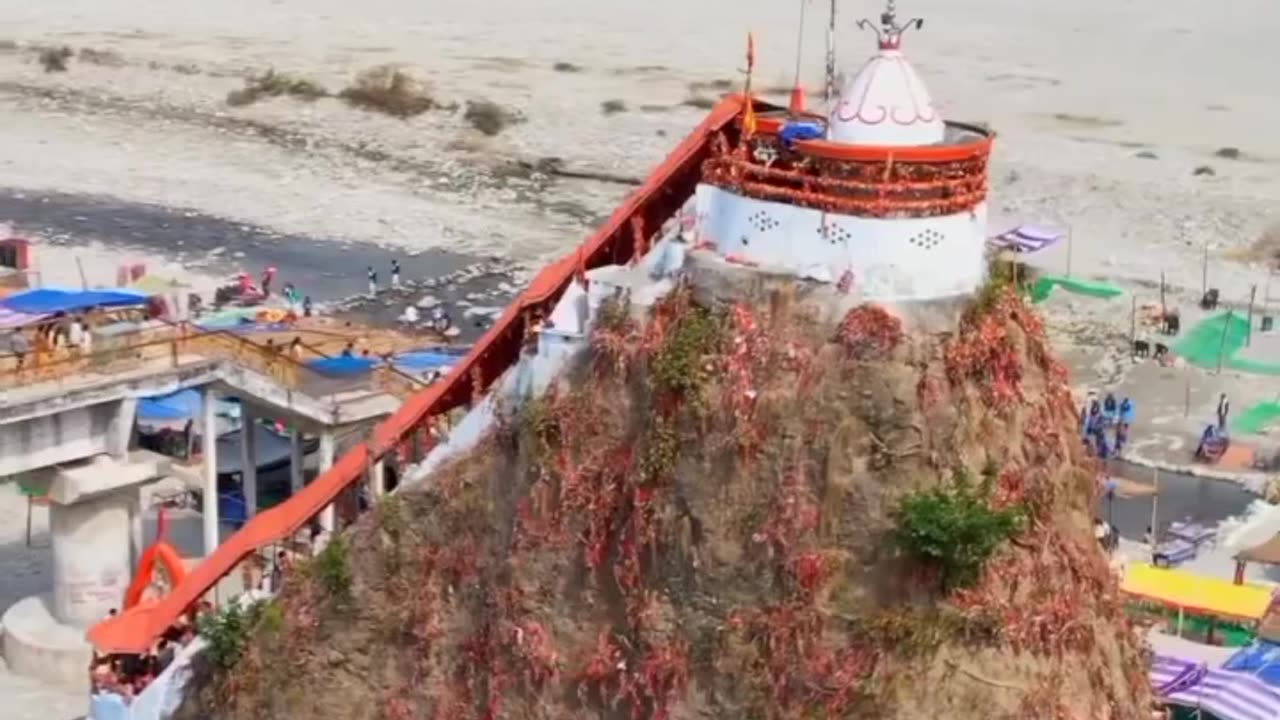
[[159, 552]]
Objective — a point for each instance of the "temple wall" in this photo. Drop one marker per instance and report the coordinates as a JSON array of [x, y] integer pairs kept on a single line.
[[898, 259]]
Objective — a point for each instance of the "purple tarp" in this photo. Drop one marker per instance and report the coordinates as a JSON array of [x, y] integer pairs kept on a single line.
[[1227, 694], [1027, 238], [12, 318]]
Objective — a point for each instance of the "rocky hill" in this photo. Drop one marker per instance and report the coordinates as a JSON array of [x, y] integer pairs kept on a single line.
[[728, 512]]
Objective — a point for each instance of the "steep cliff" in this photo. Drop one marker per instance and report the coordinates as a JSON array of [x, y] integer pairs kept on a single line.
[[730, 512]]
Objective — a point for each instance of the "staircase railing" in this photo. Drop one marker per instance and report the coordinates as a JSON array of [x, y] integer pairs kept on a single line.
[[411, 428]]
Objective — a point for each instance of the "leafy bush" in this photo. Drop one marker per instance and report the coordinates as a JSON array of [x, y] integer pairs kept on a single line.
[[331, 570], [954, 528], [226, 631], [679, 365]]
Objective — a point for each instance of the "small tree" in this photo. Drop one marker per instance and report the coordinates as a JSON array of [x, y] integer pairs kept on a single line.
[[227, 630], [954, 528]]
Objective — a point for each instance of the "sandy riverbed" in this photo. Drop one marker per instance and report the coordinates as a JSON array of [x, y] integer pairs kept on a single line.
[[1082, 99]]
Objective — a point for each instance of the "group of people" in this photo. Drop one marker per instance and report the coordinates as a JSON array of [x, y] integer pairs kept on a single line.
[[126, 675], [1098, 420], [293, 349], [296, 300], [63, 335], [373, 277]]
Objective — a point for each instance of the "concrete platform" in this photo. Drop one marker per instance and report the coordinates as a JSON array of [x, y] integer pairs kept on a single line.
[[27, 699], [37, 646]]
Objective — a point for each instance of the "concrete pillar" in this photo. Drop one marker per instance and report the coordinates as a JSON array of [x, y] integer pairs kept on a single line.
[[248, 460], [91, 570], [377, 481], [135, 528], [120, 428], [209, 439], [327, 450], [296, 475]]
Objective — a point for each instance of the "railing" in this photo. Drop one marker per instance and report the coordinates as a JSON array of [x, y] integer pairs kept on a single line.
[[113, 354], [410, 428]]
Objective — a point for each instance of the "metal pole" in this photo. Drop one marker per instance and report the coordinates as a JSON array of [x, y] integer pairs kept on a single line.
[[1248, 337], [1069, 233], [1163, 310], [1155, 510], [1133, 324], [1204, 270], [1222, 344], [830, 90], [800, 42]]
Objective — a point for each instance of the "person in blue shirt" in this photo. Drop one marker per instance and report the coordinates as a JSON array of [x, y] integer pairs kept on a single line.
[[1110, 409], [1205, 438], [1127, 411]]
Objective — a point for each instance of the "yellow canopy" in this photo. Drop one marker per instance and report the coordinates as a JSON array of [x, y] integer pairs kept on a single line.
[[1194, 593]]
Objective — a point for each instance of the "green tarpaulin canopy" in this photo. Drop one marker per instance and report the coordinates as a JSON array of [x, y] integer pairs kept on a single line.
[[1045, 284]]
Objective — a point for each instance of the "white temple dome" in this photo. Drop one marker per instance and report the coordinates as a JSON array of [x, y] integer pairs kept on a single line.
[[886, 103]]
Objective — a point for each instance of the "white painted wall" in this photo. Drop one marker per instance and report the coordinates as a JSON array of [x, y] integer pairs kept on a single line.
[[892, 259]]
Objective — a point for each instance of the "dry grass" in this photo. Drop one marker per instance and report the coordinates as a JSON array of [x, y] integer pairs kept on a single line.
[[105, 58], [721, 85], [489, 117], [390, 89], [1264, 249], [275, 84], [55, 59]]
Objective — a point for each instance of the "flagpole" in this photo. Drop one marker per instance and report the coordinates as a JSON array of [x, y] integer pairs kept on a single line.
[[800, 42], [748, 105], [831, 55]]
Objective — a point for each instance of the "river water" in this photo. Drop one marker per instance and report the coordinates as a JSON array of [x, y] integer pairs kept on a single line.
[[1182, 497], [324, 268]]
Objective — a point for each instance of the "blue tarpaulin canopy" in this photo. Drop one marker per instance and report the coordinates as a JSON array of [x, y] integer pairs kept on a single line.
[[414, 361], [1262, 660], [342, 366], [181, 405], [50, 300], [422, 360]]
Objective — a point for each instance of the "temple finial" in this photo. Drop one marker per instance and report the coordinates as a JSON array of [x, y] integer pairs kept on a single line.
[[889, 34]]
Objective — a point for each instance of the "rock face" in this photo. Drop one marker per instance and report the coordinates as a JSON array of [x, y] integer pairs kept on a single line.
[[700, 523]]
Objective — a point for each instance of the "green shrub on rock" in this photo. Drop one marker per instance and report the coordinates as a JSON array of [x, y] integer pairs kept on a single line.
[[954, 528]]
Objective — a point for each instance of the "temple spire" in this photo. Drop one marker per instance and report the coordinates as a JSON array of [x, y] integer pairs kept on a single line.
[[889, 33]]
